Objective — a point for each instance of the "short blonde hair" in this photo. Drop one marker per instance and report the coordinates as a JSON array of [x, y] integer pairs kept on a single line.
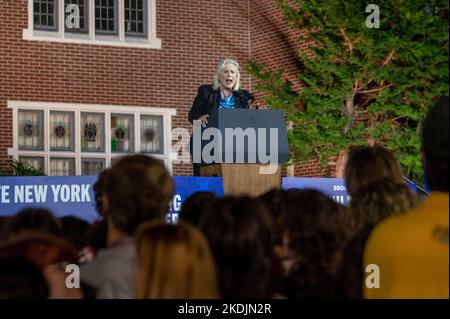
[[175, 262], [220, 66]]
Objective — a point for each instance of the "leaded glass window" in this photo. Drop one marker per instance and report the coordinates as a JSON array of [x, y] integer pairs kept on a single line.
[[31, 133], [92, 132], [151, 134], [92, 166], [35, 161], [62, 166], [122, 132], [61, 131]]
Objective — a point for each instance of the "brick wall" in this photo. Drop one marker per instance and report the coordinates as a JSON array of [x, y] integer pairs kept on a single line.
[[195, 35]]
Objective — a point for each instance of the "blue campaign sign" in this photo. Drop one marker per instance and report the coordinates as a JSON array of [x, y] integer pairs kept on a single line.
[[63, 195], [185, 186], [74, 195], [333, 187]]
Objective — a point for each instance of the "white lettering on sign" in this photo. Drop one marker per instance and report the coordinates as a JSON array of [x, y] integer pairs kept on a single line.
[[30, 193], [71, 193], [4, 191]]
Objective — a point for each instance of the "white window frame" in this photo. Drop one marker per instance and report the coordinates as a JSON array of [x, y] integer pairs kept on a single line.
[[149, 41], [167, 113]]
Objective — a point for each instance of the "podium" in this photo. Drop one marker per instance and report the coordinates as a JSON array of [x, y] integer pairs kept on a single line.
[[244, 147]]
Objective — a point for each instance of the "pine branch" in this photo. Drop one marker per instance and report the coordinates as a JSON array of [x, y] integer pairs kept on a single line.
[[375, 90], [348, 42]]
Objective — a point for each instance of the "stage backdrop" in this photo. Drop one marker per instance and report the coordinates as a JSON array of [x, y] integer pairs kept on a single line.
[[74, 195]]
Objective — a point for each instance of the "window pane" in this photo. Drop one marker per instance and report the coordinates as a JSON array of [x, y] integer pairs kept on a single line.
[[122, 132], [36, 162], [92, 132], [44, 12], [92, 166], [105, 16], [151, 134], [30, 125], [61, 131], [81, 4], [62, 166], [135, 17]]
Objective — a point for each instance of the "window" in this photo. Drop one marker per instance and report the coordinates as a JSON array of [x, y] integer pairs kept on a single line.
[[92, 166], [61, 131], [76, 16], [36, 162], [135, 17], [106, 16], [31, 130], [151, 134], [62, 166], [122, 133], [92, 132], [78, 139], [102, 22], [45, 14]]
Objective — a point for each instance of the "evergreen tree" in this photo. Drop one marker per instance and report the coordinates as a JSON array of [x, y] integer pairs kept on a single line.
[[394, 73]]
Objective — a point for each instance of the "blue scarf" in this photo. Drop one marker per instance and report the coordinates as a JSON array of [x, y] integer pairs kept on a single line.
[[227, 103]]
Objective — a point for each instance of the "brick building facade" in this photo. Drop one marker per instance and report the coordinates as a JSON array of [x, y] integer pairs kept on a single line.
[[133, 71]]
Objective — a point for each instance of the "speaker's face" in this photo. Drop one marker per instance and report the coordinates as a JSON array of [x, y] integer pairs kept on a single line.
[[228, 77]]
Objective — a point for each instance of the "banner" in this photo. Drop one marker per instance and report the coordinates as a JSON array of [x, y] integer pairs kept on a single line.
[[74, 195], [333, 187], [185, 186]]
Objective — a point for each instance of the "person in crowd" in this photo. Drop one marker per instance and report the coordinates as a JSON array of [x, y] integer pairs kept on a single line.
[[316, 232], [75, 231], [96, 234], [225, 93], [274, 201], [193, 206], [350, 272], [3, 221], [137, 188], [375, 183], [174, 261], [411, 250], [38, 219], [20, 278], [378, 190], [240, 233], [99, 189], [96, 238], [51, 255]]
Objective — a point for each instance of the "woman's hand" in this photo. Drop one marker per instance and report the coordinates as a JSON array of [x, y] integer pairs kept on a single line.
[[204, 119], [258, 107]]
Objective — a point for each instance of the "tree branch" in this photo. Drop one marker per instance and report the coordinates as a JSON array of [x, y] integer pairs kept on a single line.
[[347, 39], [375, 90], [389, 58]]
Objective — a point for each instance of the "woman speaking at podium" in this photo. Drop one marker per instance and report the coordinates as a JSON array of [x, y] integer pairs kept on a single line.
[[225, 92]]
